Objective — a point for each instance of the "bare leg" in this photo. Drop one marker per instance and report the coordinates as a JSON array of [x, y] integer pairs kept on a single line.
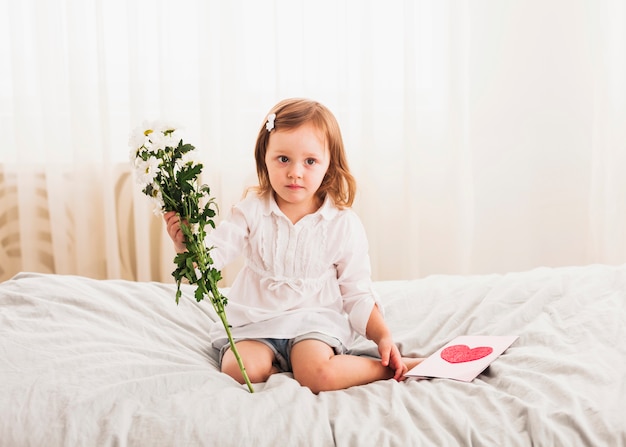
[[258, 359], [316, 366]]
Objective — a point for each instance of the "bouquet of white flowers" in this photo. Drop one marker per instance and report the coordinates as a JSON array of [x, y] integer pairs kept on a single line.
[[168, 173]]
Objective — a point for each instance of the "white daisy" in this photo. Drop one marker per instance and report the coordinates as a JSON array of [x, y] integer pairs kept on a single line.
[[147, 170], [158, 141]]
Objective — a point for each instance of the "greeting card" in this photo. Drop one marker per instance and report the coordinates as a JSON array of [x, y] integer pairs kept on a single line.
[[463, 358]]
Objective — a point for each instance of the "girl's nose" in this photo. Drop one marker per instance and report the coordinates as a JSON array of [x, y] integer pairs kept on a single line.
[[295, 171]]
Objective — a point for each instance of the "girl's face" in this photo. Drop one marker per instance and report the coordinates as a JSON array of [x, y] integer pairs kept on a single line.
[[296, 161]]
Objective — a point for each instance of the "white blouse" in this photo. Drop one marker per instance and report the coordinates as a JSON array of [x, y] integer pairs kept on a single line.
[[311, 276]]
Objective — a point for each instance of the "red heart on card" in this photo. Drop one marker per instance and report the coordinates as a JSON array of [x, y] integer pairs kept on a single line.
[[463, 353]]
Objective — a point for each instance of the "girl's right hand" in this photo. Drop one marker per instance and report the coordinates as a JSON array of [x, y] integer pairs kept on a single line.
[[172, 221]]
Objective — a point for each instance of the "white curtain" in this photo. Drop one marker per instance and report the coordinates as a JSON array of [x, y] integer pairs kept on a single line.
[[486, 135]]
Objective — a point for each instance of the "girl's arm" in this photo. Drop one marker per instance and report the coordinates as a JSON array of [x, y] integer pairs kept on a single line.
[[379, 333], [359, 297], [354, 274]]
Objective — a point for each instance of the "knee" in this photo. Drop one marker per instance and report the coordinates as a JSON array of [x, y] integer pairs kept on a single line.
[[258, 362], [255, 373], [318, 379]]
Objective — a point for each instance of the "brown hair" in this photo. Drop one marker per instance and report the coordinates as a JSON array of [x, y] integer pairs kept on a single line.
[[292, 113]]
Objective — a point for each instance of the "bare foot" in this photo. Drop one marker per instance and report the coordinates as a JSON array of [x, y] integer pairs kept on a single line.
[[412, 362]]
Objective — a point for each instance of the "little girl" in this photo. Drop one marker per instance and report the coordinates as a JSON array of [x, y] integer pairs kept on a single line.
[[305, 289]]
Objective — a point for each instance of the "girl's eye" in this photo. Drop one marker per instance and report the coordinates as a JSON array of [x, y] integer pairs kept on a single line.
[[310, 161], [283, 159]]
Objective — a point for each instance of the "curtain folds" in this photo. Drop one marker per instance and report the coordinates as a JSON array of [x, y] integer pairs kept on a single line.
[[485, 136]]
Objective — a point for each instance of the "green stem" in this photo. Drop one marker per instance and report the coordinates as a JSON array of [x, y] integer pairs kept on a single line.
[[233, 348], [218, 304]]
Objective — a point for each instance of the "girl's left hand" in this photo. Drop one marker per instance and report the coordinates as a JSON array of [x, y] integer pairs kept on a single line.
[[390, 357]]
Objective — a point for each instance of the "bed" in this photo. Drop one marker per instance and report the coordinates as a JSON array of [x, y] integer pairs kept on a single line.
[[87, 362]]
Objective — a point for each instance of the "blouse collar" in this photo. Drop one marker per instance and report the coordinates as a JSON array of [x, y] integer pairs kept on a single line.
[[328, 209]]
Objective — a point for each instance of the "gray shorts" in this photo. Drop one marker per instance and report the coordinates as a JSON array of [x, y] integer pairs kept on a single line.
[[282, 347]]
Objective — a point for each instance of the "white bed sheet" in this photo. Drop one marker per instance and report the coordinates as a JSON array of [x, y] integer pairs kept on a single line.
[[101, 363]]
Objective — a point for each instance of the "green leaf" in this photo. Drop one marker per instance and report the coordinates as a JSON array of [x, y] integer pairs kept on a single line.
[[189, 263], [189, 173], [184, 148], [199, 295]]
